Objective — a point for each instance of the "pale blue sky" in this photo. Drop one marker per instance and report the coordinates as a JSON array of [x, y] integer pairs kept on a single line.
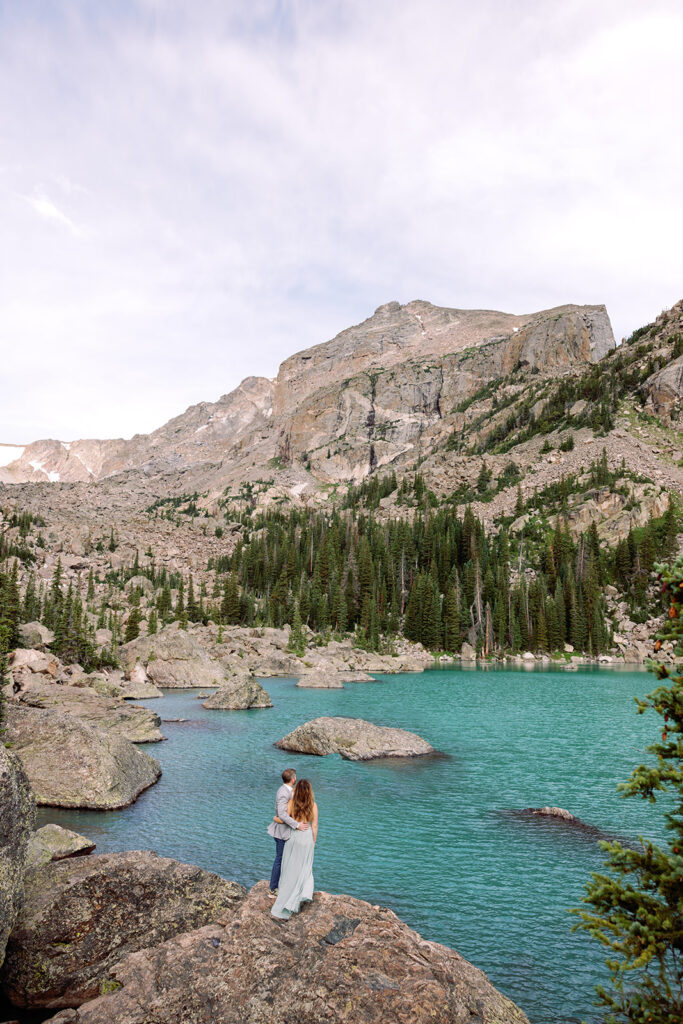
[[191, 192]]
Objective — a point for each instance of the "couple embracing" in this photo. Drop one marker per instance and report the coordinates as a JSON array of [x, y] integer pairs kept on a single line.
[[295, 830]]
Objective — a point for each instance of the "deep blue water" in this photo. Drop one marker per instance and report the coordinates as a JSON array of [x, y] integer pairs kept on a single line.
[[429, 838]]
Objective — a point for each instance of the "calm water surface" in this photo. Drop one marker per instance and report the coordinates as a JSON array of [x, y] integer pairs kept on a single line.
[[429, 838]]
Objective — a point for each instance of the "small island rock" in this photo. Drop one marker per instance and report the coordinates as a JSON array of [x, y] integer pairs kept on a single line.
[[83, 915], [17, 821], [71, 764], [332, 679], [353, 738], [321, 681], [237, 693], [342, 959]]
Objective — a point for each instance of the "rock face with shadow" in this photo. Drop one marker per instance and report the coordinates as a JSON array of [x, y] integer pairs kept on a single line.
[[71, 764], [84, 915], [353, 738], [339, 960], [17, 820]]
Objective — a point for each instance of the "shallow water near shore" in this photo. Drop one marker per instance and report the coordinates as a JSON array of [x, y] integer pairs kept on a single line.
[[429, 838]]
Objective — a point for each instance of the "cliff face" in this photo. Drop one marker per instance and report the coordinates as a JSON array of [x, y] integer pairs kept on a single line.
[[407, 383], [375, 393]]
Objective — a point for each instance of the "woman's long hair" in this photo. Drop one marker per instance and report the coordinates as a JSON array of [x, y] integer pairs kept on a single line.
[[302, 801]]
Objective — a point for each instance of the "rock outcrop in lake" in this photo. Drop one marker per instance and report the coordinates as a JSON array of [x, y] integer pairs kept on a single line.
[[173, 658], [353, 738], [321, 681], [71, 764], [331, 679], [340, 960], [83, 916], [549, 812], [238, 693], [139, 725], [17, 820], [52, 842]]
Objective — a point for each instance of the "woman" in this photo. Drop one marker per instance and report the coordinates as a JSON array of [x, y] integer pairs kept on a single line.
[[296, 878]]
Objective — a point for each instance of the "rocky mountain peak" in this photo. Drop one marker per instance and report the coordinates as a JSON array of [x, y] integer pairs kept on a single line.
[[360, 400]]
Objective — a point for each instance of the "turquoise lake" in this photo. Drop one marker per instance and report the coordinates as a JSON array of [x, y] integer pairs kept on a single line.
[[430, 838]]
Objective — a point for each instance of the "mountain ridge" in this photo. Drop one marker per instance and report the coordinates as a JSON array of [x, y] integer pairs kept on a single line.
[[280, 418]]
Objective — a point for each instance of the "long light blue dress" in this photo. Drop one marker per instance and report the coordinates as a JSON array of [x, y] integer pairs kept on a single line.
[[296, 877]]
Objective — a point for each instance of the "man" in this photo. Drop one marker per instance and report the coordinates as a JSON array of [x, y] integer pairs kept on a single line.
[[282, 831]]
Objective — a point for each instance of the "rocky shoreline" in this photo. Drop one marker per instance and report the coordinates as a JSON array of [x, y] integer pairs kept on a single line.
[[122, 938]]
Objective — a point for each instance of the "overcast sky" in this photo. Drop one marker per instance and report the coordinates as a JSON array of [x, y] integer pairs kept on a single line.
[[192, 191]]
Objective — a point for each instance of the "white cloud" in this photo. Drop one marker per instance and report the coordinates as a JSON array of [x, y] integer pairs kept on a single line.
[[44, 206], [200, 190]]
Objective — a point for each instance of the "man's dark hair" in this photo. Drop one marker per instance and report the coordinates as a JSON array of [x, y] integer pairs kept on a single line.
[[288, 774]]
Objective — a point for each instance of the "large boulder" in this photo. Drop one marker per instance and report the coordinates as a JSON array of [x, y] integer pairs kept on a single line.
[[17, 821], [36, 662], [83, 916], [114, 716], [71, 764], [353, 738], [137, 685], [340, 960], [52, 842], [35, 634], [173, 658], [238, 693], [664, 391]]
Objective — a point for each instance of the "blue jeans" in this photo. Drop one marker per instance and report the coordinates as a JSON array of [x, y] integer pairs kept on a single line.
[[277, 864]]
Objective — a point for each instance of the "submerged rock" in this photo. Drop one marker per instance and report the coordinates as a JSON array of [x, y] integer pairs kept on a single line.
[[83, 916], [550, 812], [238, 693], [17, 821], [353, 738], [557, 817], [52, 842], [112, 715], [339, 960], [71, 764]]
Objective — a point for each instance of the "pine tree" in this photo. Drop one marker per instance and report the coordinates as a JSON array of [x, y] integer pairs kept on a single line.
[[451, 621], [297, 639], [192, 606], [132, 626], [519, 504], [637, 910]]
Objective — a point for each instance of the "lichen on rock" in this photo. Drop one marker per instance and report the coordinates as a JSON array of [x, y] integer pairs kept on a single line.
[[17, 821]]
